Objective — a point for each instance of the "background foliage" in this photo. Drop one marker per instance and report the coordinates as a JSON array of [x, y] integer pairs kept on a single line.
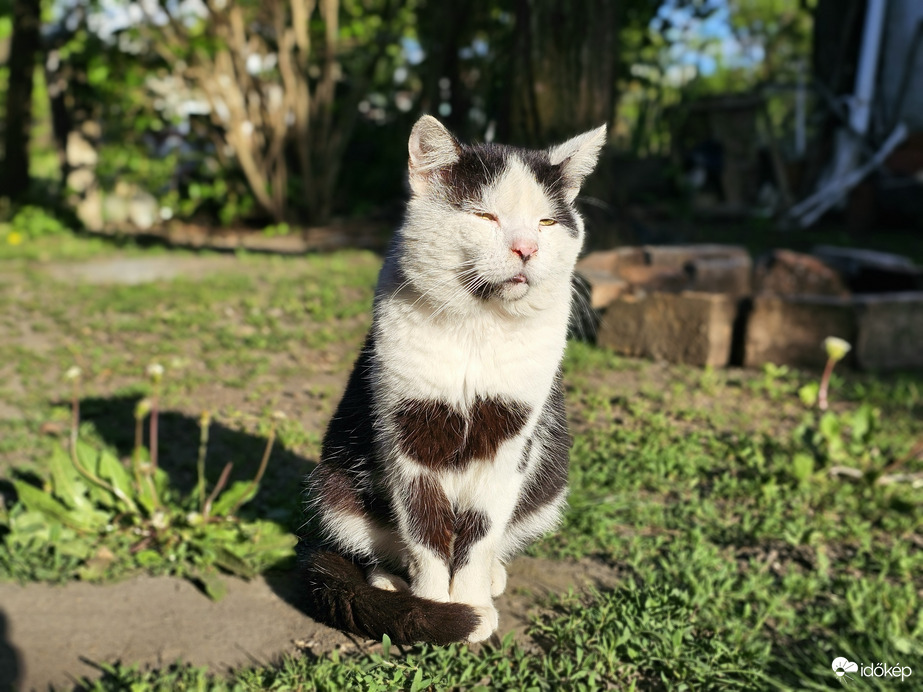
[[293, 111]]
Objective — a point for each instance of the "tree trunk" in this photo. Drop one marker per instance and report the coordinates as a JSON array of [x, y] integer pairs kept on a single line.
[[566, 64], [25, 46]]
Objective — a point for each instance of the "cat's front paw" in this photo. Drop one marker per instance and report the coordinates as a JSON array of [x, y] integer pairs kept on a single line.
[[497, 578], [489, 621]]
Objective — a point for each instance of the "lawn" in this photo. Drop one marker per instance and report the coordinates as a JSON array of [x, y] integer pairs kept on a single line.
[[750, 540]]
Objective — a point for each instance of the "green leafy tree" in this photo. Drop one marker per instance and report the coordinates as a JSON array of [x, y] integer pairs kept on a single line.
[[282, 80]]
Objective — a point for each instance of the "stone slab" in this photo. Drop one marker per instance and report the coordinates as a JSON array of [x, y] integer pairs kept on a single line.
[[679, 255], [790, 330], [611, 260], [732, 275], [692, 328], [788, 273], [603, 287], [890, 331]]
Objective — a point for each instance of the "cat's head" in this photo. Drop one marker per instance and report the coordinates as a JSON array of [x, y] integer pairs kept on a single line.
[[493, 224]]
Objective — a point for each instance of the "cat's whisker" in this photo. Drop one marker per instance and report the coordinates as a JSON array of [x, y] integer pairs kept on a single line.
[[462, 276], [433, 289], [583, 317], [451, 304]]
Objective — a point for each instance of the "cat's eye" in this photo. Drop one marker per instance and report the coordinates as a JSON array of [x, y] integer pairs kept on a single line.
[[484, 215], [547, 222]]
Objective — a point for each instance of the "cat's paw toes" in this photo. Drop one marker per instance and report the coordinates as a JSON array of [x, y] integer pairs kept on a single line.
[[497, 578], [389, 582], [489, 621]]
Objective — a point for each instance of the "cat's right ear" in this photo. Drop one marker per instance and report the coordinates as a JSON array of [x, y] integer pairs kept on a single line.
[[432, 148]]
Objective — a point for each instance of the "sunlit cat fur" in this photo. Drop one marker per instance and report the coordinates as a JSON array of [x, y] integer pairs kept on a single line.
[[448, 453]]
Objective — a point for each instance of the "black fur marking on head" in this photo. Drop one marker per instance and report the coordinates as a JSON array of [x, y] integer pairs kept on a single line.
[[470, 527], [477, 167], [337, 594], [551, 177], [549, 479], [439, 437]]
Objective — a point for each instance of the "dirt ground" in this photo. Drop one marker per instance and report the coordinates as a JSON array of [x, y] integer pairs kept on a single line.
[[56, 635], [53, 635]]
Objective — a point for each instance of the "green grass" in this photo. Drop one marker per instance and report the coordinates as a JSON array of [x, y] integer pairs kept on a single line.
[[741, 558]]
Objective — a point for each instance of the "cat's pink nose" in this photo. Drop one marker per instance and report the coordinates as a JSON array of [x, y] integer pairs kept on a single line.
[[524, 248]]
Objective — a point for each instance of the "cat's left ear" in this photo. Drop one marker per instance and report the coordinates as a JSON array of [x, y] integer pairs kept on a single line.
[[578, 158], [432, 148]]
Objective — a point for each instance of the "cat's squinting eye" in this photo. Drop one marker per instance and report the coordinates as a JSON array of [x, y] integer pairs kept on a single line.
[[484, 215], [547, 222]]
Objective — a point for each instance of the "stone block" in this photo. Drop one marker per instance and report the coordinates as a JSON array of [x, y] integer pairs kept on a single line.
[[611, 260], [603, 287], [788, 273], [698, 268], [680, 255], [688, 327], [790, 330], [890, 331], [655, 277], [732, 275]]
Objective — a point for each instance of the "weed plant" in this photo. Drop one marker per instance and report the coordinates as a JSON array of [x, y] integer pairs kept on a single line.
[[92, 518]]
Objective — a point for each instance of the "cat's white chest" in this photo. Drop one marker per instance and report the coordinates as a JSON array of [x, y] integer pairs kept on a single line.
[[485, 356]]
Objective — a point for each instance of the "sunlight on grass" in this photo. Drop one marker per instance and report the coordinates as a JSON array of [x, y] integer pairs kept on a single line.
[[743, 554]]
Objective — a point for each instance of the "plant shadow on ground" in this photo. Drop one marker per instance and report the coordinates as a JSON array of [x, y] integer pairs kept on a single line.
[[280, 497]]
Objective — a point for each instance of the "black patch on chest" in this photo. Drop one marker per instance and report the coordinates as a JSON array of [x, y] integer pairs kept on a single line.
[[438, 437], [435, 523]]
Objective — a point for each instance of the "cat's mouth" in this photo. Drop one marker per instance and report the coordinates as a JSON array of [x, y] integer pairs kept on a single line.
[[511, 289]]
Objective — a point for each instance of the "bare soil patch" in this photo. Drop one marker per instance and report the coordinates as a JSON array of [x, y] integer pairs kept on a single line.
[[52, 635]]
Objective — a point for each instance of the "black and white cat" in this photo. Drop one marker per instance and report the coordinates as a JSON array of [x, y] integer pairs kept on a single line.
[[448, 452]]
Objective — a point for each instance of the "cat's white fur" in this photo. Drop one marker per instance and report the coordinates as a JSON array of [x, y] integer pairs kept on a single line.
[[435, 339]]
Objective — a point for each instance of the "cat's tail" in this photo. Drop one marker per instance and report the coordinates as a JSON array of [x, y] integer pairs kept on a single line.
[[338, 595]]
